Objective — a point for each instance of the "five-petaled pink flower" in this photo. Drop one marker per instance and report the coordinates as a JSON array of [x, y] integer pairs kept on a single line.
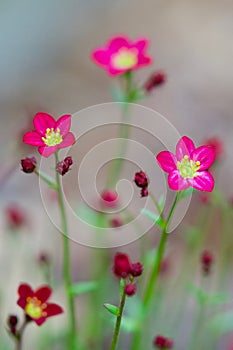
[[34, 303], [50, 135], [189, 167], [121, 55]]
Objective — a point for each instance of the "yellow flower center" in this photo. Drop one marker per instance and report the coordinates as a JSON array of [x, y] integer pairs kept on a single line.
[[34, 308], [125, 58], [52, 137], [188, 168]]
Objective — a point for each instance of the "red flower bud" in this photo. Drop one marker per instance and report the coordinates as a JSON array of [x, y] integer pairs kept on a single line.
[[44, 259], [141, 179], [12, 322], [144, 192], [130, 290], [63, 166], [162, 342], [28, 165], [136, 269], [116, 222], [121, 267], [15, 217], [207, 260], [158, 78]]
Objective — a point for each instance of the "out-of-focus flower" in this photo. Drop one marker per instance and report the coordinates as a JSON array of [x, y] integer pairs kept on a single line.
[[15, 217], [161, 342], [217, 145], [121, 55], [116, 222], [136, 269], [204, 198], [189, 167], [63, 166], [207, 260], [156, 79], [130, 289], [122, 265], [109, 199], [12, 323], [50, 135], [34, 303], [28, 165]]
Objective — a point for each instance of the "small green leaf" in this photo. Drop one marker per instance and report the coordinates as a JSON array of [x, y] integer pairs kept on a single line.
[[198, 293], [83, 287], [114, 310], [156, 218]]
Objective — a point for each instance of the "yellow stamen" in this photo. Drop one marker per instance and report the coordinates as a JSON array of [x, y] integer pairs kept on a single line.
[[52, 137], [125, 58]]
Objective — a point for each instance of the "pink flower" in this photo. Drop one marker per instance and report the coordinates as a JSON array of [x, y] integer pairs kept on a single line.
[[189, 167], [121, 55], [50, 135]]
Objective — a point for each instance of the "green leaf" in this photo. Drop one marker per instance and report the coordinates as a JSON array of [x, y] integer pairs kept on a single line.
[[114, 310], [83, 287], [156, 218]]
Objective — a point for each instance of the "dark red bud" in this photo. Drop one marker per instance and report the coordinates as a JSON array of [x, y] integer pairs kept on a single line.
[[28, 165]]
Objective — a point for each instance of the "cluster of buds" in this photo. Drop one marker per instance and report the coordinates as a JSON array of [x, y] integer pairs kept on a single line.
[[141, 180], [155, 80], [28, 165], [161, 342], [123, 268], [63, 166], [207, 260]]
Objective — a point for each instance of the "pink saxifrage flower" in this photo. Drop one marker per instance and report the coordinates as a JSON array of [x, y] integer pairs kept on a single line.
[[121, 55], [34, 303], [189, 166], [50, 135]]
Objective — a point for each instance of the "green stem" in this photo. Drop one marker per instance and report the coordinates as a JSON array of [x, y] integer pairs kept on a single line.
[[154, 273], [118, 323], [66, 265], [19, 336], [115, 170], [47, 179]]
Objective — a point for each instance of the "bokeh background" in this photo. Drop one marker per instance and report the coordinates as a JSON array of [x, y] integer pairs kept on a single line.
[[45, 65]]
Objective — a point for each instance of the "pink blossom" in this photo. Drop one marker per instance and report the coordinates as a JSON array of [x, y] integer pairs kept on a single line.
[[189, 166], [121, 55], [50, 135]]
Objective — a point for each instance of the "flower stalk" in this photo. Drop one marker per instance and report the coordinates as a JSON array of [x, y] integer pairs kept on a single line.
[[155, 271], [66, 264], [118, 322]]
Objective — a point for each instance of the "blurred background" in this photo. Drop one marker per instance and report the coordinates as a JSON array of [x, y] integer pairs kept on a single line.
[[45, 66]]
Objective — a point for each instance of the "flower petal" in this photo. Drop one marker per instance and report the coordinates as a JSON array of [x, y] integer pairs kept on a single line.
[[39, 321], [205, 155], [117, 43], [141, 44], [204, 181], [46, 151], [167, 161], [185, 146], [144, 60], [42, 121], [176, 182], [43, 293], [53, 309], [68, 140], [25, 290], [33, 138], [64, 123], [101, 57]]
